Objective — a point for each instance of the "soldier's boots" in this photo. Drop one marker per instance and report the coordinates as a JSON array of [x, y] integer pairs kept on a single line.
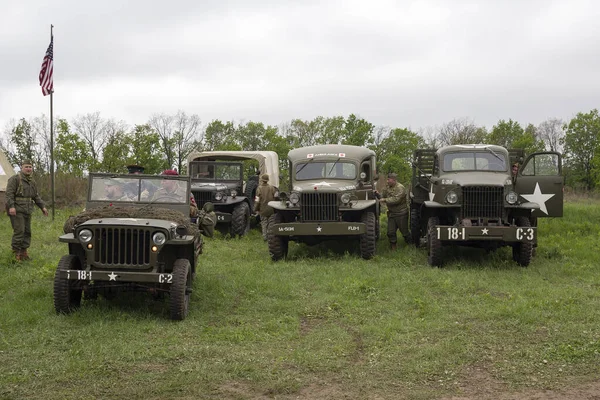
[[394, 246], [24, 255], [17, 253]]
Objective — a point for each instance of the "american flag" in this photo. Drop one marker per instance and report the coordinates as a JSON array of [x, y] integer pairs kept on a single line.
[[46, 81]]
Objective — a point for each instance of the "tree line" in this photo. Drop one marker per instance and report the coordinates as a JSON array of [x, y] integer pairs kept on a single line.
[[92, 143]]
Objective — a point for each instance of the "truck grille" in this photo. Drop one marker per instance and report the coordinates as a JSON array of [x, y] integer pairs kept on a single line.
[[483, 202], [122, 246], [319, 207], [202, 197]]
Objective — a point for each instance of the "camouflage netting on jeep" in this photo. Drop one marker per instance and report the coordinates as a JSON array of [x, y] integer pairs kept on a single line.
[[128, 212]]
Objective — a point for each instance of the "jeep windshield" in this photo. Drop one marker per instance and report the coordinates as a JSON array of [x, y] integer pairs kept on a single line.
[[325, 170], [161, 190], [474, 161], [216, 171]]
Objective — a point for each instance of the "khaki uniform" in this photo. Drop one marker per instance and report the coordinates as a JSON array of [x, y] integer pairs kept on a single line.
[[21, 194], [396, 200], [265, 194]]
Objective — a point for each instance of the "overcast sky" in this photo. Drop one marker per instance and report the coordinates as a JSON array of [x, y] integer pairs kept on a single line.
[[409, 64]]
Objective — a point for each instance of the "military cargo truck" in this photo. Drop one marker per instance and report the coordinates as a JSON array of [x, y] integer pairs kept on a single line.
[[330, 197], [134, 235], [218, 177], [466, 195]]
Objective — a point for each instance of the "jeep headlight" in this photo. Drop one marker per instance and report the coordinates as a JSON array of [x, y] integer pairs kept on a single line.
[[512, 197], [451, 197], [345, 198], [233, 193], [85, 235], [159, 238], [294, 198], [219, 196]]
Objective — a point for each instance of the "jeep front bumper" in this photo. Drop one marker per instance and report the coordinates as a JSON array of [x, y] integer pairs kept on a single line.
[[319, 229], [508, 234], [116, 276]]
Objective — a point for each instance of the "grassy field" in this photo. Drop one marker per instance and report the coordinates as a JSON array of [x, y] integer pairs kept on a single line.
[[323, 324]]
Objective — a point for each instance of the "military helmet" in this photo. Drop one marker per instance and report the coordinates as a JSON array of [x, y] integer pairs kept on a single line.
[[264, 177]]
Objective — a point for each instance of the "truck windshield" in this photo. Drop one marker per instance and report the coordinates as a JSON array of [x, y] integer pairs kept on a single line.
[[474, 161], [325, 170]]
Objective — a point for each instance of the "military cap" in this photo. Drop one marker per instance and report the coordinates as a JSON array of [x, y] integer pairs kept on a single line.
[[26, 161], [169, 172], [392, 175], [264, 177], [135, 169]]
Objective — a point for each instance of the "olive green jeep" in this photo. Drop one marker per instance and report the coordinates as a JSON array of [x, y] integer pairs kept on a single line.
[[467, 195], [331, 197], [135, 234], [218, 177]]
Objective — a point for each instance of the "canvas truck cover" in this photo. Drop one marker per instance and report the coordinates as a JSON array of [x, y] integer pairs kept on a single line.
[[6, 171], [268, 161]]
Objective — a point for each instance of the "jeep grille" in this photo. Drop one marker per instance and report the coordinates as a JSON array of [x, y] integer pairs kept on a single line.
[[319, 207], [122, 246], [202, 197], [483, 202]]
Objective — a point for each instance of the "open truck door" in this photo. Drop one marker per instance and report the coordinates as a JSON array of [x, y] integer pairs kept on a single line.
[[540, 180]]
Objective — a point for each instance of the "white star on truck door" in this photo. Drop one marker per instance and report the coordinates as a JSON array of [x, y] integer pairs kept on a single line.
[[539, 197]]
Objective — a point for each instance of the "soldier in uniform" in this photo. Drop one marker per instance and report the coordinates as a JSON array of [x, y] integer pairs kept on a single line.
[[114, 190], [21, 193], [171, 190], [395, 197], [265, 193]]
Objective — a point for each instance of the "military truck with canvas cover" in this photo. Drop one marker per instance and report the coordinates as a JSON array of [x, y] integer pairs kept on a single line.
[[218, 177], [134, 235], [466, 195], [331, 197]]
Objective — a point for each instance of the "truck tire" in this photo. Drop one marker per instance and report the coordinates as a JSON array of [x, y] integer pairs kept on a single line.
[[250, 192], [368, 240], [434, 245], [179, 293], [278, 245], [415, 226], [240, 219], [66, 298], [522, 251]]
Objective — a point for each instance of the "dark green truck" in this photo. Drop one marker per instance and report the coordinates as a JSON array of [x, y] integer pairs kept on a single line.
[[467, 195]]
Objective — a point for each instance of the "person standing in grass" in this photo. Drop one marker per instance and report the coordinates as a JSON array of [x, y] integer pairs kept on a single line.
[[265, 194], [21, 193], [394, 196]]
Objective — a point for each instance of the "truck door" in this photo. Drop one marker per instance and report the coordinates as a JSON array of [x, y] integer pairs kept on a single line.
[[540, 180]]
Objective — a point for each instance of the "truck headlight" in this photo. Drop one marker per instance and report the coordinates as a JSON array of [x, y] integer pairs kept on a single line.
[[159, 238], [219, 196], [345, 198], [294, 198], [512, 197], [233, 193], [451, 197], [85, 235]]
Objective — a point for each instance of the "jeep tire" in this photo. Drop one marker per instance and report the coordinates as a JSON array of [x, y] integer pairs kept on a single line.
[[278, 245], [180, 295], [415, 226], [240, 219], [522, 251], [66, 298], [434, 245], [368, 240]]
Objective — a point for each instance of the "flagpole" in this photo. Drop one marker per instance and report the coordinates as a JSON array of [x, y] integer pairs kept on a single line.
[[52, 141]]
